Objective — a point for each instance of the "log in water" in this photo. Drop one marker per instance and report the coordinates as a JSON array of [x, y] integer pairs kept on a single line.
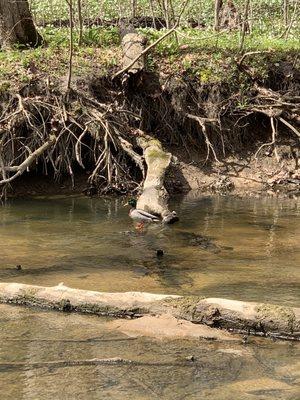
[[253, 318]]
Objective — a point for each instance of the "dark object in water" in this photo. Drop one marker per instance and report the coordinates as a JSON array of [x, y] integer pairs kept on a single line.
[[90, 191], [19, 267], [159, 253]]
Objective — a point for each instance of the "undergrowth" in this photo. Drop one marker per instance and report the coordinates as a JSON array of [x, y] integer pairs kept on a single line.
[[208, 56]]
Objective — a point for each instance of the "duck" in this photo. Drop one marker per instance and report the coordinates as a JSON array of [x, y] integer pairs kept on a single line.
[[140, 216]]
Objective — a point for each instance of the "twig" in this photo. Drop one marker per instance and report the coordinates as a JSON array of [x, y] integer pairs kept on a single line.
[[29, 160], [290, 126]]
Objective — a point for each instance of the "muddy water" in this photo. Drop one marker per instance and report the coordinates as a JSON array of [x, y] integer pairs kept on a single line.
[[244, 249], [161, 369], [236, 248]]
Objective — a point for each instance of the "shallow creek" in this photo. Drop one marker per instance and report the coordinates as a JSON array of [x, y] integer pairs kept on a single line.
[[245, 249]]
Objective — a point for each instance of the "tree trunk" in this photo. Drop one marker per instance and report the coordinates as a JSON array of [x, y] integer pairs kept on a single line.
[[286, 12], [244, 24], [133, 8], [133, 45], [154, 196], [16, 24], [218, 6]]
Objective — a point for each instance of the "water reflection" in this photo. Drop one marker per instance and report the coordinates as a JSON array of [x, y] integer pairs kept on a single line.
[[223, 246]]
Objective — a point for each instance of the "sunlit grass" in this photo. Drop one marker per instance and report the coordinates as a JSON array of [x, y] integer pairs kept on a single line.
[[203, 53]]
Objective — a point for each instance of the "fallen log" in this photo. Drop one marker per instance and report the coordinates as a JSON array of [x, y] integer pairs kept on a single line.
[[252, 318], [154, 197]]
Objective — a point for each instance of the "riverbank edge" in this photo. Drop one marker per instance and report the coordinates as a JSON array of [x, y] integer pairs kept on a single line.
[[219, 132]]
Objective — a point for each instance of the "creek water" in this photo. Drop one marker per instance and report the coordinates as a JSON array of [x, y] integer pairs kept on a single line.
[[239, 248]]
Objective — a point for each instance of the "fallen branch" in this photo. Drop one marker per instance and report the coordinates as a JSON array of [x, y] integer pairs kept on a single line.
[[253, 318], [116, 361], [19, 169], [292, 128]]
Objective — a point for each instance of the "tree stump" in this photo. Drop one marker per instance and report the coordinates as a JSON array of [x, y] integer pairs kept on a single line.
[[133, 44]]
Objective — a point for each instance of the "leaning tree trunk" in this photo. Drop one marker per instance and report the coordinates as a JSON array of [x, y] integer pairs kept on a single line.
[[16, 24], [154, 197]]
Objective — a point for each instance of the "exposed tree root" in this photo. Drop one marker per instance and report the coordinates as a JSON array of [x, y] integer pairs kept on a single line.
[[53, 132], [96, 129]]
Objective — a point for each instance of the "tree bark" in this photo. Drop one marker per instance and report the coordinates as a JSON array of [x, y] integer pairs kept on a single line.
[[16, 24], [133, 45], [154, 197], [286, 12], [218, 6], [252, 318]]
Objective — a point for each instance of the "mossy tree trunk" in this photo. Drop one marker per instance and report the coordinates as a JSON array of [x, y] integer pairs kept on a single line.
[[16, 24], [154, 196]]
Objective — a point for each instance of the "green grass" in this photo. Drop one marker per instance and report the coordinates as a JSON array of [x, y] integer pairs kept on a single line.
[[266, 15], [201, 53]]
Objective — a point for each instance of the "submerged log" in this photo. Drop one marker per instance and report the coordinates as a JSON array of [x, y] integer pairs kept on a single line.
[[252, 318]]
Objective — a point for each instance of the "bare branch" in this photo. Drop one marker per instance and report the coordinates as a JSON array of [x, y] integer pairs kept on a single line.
[[29, 160]]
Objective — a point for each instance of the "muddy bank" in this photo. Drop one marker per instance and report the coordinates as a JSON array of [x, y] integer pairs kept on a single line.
[[252, 318]]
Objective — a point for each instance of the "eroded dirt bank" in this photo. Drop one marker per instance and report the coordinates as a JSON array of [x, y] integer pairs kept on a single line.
[[242, 136]]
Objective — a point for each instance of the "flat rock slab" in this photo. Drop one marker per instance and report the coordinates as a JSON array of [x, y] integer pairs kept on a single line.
[[167, 326]]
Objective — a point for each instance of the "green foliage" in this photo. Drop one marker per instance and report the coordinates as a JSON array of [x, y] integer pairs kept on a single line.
[[206, 55], [266, 15], [103, 37]]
